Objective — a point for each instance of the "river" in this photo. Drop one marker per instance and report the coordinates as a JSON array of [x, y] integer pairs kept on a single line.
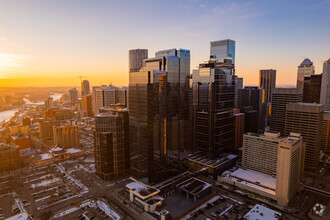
[[5, 115]]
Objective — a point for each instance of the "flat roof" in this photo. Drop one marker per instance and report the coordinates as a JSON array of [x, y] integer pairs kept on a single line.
[[193, 186], [261, 212], [141, 189], [19, 216], [253, 179]]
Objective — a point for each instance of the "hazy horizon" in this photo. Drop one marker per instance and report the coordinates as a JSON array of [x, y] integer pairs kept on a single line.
[[47, 43]]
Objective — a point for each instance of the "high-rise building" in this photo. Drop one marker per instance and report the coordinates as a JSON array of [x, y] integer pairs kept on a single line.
[[104, 96], [223, 49], [73, 95], [260, 152], [66, 135], [252, 96], [267, 81], [326, 133], [238, 85], [239, 124], [325, 86], [97, 98], [10, 158], [272, 166], [158, 116], [213, 105], [46, 129], [136, 58], [111, 144], [312, 89], [281, 97], [305, 69], [290, 164], [86, 105], [49, 103], [306, 119], [85, 88]]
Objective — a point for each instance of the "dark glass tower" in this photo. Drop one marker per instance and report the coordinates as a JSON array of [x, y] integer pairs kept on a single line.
[[213, 104], [159, 119]]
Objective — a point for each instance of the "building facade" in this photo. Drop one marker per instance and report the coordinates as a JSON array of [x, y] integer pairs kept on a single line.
[[239, 125], [312, 89], [158, 105], [86, 105], [73, 95], [213, 104], [306, 119], [136, 58], [260, 152], [66, 135], [222, 49], [325, 86], [111, 144], [267, 81], [326, 133], [305, 69], [280, 98], [85, 89]]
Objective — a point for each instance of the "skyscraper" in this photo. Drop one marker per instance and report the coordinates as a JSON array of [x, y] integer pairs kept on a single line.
[[239, 124], [281, 97], [306, 119], [223, 49], [325, 87], [158, 99], [312, 89], [111, 144], [73, 95], [97, 98], [252, 96], [305, 69], [238, 85], [85, 88], [136, 58], [213, 105], [267, 81], [326, 133], [86, 105]]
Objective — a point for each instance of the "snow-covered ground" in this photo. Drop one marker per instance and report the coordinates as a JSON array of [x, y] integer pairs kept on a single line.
[[93, 204], [45, 182]]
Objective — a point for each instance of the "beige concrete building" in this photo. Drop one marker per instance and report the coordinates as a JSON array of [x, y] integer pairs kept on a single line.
[[305, 69], [260, 152], [289, 168], [272, 166], [326, 133], [306, 119]]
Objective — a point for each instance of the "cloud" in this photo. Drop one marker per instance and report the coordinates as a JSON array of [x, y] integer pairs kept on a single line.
[[12, 60]]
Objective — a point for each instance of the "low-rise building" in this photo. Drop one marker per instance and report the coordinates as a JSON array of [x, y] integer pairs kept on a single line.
[[143, 195]]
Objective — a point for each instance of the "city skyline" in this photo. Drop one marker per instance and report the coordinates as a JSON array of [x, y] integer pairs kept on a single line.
[[43, 43]]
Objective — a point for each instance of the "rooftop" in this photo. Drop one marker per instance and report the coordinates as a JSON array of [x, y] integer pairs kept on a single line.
[[193, 186], [306, 62], [141, 189], [261, 212], [253, 179]]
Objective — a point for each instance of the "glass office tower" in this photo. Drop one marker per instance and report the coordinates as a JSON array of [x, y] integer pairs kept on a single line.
[[213, 104], [158, 112], [223, 49]]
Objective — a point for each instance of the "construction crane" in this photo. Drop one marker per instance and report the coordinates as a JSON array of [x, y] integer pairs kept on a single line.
[[82, 77]]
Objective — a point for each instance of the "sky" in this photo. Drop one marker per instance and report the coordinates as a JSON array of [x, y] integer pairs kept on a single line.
[[52, 43]]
